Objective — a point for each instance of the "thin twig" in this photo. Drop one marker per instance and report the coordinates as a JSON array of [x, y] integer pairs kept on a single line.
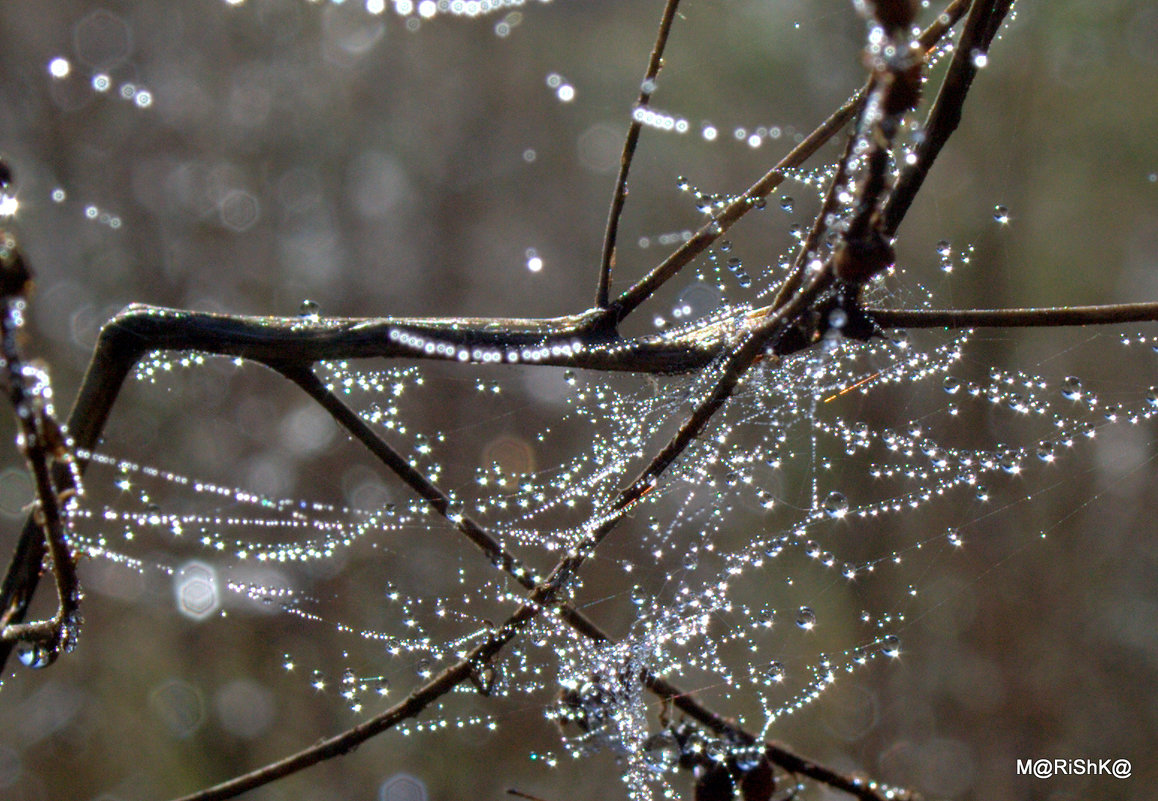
[[43, 445], [619, 195], [985, 17], [1016, 318], [702, 239]]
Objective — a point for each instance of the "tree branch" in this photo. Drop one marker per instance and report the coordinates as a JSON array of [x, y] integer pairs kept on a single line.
[[619, 195], [1015, 318]]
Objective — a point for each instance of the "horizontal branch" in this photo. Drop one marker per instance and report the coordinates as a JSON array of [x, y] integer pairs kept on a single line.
[[578, 341], [1015, 318]]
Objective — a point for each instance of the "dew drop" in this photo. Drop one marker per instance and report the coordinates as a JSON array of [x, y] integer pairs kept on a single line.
[[34, 655], [787, 204], [748, 758], [944, 249], [486, 679], [891, 645], [836, 505], [1045, 452], [309, 308], [1001, 214], [1072, 388], [805, 618], [1152, 397], [660, 752], [951, 385], [775, 672], [638, 595]]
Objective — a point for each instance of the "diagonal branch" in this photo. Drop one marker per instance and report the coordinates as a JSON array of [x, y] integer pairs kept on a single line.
[[984, 21], [619, 195]]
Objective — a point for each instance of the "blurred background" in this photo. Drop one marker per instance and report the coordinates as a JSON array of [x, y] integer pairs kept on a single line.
[[245, 157]]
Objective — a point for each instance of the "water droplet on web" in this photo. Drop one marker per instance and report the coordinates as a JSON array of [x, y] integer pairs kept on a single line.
[[1045, 452], [1072, 388], [951, 385], [725, 245], [748, 758], [348, 678], [1152, 397], [638, 595], [717, 750], [805, 618], [455, 513], [891, 645], [660, 752], [1001, 214], [309, 308], [486, 679], [774, 672], [944, 249], [835, 505], [423, 667], [812, 549], [34, 655], [982, 492], [787, 204]]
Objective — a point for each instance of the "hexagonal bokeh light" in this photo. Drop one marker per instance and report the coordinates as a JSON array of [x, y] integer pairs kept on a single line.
[[196, 589]]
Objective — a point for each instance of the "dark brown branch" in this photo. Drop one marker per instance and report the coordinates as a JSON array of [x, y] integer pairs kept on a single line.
[[48, 458], [1015, 318], [619, 195], [985, 17]]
